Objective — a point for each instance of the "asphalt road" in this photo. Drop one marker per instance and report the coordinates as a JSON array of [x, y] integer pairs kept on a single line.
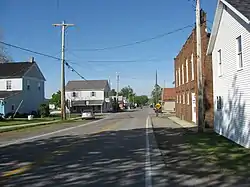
[[117, 151]]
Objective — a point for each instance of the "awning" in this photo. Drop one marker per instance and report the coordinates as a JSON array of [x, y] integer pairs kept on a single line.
[[87, 103]]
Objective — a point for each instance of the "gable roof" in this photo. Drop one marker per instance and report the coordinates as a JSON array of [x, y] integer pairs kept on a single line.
[[14, 70], [77, 85], [243, 6], [239, 7], [169, 94]]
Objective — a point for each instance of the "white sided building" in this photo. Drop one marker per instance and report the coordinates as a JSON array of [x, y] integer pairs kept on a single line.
[[230, 48]]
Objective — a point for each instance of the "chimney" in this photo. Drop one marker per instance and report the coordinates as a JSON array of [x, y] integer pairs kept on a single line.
[[32, 59], [203, 16]]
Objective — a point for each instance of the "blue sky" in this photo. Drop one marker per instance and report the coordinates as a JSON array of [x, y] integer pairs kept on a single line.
[[100, 24]]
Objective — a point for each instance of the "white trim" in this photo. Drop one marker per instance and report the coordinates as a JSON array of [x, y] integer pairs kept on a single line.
[[148, 169], [238, 13]]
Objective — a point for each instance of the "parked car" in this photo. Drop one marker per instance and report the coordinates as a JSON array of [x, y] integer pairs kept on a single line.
[[88, 114]]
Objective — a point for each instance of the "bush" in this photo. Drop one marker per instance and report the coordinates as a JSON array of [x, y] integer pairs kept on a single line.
[[44, 110], [35, 114]]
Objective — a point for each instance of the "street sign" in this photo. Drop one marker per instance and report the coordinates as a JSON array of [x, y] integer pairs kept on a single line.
[[158, 106]]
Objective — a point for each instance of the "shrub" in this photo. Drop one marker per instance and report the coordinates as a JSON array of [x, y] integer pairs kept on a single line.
[[44, 110]]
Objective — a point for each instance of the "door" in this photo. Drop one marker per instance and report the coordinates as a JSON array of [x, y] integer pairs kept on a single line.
[[193, 108], [1, 107]]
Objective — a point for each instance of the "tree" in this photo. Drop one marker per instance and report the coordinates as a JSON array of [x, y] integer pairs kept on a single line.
[[127, 92], [113, 92], [4, 57], [56, 99], [156, 93], [141, 100]]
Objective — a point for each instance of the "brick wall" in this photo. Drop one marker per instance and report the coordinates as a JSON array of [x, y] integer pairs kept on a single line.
[[184, 111]]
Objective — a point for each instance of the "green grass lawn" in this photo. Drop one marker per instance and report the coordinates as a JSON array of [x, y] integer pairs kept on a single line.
[[20, 121], [220, 151]]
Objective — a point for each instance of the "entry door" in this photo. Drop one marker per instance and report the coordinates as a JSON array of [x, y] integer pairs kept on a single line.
[[193, 108]]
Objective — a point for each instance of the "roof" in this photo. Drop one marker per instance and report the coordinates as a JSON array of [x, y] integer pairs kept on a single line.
[[240, 7], [243, 6], [14, 69], [6, 94], [169, 94], [77, 85]]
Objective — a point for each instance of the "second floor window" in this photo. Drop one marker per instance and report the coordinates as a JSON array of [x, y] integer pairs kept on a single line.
[[92, 94], [219, 63], [239, 53], [39, 86], [28, 84], [179, 76], [73, 94], [186, 70], [176, 79], [182, 71], [192, 67], [8, 85]]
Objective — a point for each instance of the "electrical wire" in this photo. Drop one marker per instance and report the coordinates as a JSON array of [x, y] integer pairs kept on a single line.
[[137, 42], [46, 55]]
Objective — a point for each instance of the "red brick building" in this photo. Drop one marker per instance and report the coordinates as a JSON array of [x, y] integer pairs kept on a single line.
[[186, 78], [168, 99]]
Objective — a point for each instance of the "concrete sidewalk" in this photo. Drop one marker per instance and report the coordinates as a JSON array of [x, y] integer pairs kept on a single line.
[[183, 123]]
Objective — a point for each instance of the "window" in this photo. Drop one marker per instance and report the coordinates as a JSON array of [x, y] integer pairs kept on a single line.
[[188, 98], [177, 99], [176, 79], [179, 76], [182, 69], [186, 70], [92, 94], [28, 84], [219, 63], [183, 98], [219, 103], [192, 64], [39, 86], [239, 53], [8, 85], [12, 107], [73, 94]]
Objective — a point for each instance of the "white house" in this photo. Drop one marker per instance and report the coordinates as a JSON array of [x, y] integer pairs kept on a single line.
[[90, 94], [21, 87], [230, 48]]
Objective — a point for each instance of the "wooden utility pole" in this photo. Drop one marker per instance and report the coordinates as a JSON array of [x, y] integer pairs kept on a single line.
[[63, 108], [199, 70], [117, 89]]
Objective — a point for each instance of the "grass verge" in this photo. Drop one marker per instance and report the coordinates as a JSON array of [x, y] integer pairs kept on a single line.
[[43, 125], [220, 151]]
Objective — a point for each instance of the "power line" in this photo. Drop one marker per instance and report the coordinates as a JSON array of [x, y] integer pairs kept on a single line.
[[43, 54], [136, 42], [28, 50]]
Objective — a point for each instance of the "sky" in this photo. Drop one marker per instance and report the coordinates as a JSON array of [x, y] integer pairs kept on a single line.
[[101, 24]]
